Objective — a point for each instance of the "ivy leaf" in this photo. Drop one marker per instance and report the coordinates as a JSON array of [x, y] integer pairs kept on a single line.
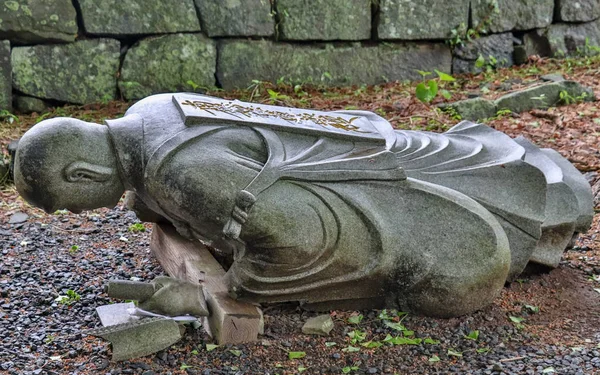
[[351, 349], [445, 77], [355, 319], [434, 358], [473, 335], [296, 355], [236, 353], [454, 353], [372, 344], [329, 344], [516, 319], [480, 62], [211, 347], [431, 341]]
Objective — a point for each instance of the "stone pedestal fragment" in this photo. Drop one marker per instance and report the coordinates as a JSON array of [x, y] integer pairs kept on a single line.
[[80, 72]]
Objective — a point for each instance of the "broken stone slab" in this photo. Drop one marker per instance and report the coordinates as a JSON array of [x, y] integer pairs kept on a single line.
[[326, 64], [577, 10], [5, 77], [33, 21], [168, 63], [236, 18], [319, 325], [80, 72], [543, 96], [476, 109], [28, 104], [138, 17], [512, 14], [412, 20], [137, 339], [325, 20], [18, 218], [497, 50], [115, 314]]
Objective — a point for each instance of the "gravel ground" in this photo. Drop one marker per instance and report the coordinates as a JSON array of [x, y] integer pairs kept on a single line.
[[48, 255]]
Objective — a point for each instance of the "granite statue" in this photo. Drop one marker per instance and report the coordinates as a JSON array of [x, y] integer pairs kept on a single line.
[[325, 208]]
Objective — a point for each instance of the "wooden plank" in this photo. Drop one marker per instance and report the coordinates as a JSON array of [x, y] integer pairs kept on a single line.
[[231, 321]]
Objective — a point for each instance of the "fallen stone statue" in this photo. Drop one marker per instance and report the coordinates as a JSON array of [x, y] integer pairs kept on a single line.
[[324, 208]]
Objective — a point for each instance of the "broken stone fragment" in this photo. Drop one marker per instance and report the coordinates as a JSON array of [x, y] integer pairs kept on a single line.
[[141, 338], [164, 295], [544, 96], [319, 325]]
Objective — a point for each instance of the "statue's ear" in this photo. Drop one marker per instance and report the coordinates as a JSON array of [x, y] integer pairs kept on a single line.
[[82, 171]]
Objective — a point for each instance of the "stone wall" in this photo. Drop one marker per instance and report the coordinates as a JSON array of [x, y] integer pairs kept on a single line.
[[82, 51]]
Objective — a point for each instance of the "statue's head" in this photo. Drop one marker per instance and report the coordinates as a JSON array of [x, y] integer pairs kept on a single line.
[[64, 163]]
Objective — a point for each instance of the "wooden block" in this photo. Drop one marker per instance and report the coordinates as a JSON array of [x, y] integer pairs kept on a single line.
[[231, 321]]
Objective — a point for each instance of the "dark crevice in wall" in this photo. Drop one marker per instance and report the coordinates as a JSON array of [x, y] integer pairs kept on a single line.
[[374, 19], [80, 25], [470, 16], [277, 18]]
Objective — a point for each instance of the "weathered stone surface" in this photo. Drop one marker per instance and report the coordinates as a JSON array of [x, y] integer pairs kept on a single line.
[[116, 313], [34, 21], [324, 20], [574, 39], [319, 325], [554, 77], [5, 76], [28, 104], [18, 218], [167, 64], [543, 96], [236, 17], [425, 19], [132, 17], [512, 14], [577, 10], [476, 109], [241, 62], [80, 72], [497, 50]]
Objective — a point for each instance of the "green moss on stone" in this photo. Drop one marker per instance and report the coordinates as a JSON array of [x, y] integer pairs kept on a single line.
[[86, 70], [166, 64]]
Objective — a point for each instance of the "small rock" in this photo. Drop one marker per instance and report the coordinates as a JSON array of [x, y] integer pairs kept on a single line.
[[319, 325], [552, 78], [18, 218]]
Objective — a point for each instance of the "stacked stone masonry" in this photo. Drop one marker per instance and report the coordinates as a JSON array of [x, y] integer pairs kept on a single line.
[[83, 51]]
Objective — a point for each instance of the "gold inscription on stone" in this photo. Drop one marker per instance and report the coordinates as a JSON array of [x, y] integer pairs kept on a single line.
[[247, 112]]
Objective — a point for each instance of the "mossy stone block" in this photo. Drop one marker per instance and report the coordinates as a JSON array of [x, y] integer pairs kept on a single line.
[[80, 72], [236, 17], [5, 77], [566, 39], [242, 62], [134, 17], [324, 20], [577, 10], [424, 19], [507, 15], [476, 109], [35, 21], [168, 63]]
